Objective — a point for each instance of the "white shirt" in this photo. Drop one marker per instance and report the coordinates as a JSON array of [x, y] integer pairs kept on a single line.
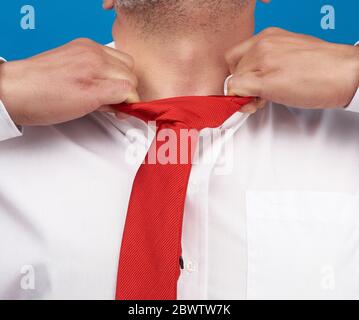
[[283, 222]]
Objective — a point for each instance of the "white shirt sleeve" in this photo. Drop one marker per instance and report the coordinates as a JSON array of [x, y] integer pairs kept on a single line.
[[354, 105], [8, 128]]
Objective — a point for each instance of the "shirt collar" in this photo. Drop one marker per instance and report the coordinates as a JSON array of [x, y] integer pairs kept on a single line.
[[127, 123], [111, 45]]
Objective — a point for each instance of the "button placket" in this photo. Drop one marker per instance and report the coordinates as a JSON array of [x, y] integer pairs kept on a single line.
[[191, 266], [206, 172], [193, 279]]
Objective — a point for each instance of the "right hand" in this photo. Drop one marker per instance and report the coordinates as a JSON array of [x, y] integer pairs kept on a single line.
[[67, 83]]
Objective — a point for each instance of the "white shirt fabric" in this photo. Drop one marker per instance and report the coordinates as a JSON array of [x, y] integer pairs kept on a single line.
[[8, 129], [279, 221]]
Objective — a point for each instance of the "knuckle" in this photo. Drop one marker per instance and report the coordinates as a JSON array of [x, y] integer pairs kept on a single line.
[[113, 88], [90, 59], [130, 61], [259, 81], [271, 31], [85, 46], [125, 84], [82, 41], [265, 60], [86, 54], [87, 68], [91, 56], [264, 45], [133, 80], [84, 83], [128, 76]]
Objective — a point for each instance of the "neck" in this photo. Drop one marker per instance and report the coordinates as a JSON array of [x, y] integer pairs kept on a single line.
[[182, 66]]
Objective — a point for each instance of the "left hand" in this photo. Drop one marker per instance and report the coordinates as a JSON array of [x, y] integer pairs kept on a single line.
[[294, 70]]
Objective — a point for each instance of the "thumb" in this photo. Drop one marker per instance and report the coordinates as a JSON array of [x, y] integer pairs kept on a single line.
[[133, 97], [245, 85], [254, 106], [111, 92]]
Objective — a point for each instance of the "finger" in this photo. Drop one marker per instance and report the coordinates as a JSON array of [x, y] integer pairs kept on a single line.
[[115, 69], [123, 57], [112, 92], [118, 71], [109, 109], [245, 85], [108, 4], [234, 56], [106, 109], [254, 106], [262, 103], [133, 97], [250, 108], [121, 115], [249, 63]]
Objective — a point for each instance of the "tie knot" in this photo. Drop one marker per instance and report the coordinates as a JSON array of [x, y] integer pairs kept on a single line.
[[192, 112]]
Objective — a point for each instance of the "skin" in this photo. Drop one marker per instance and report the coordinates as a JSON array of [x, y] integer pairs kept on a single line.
[[294, 70], [182, 62], [66, 83], [82, 76]]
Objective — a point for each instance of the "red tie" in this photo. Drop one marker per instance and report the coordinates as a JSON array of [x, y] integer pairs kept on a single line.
[[150, 256]]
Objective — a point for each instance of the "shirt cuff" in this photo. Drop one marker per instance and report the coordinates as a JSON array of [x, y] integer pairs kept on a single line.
[[354, 105], [8, 129]]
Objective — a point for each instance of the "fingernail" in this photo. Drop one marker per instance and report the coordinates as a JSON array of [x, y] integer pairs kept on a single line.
[[226, 92], [133, 97]]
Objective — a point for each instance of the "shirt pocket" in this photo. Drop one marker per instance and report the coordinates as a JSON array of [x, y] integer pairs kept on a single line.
[[302, 245]]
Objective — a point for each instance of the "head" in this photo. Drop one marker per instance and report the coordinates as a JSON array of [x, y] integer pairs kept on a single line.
[[186, 17]]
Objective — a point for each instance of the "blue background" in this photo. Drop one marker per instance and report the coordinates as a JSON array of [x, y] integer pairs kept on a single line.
[[59, 21]]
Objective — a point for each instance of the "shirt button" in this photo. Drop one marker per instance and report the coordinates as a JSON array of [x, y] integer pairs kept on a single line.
[[193, 187], [191, 266]]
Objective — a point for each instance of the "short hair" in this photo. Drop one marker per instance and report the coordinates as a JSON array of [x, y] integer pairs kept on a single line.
[[180, 15]]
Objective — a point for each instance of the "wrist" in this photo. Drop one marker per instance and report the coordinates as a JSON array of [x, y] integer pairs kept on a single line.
[[356, 63], [352, 72], [8, 91]]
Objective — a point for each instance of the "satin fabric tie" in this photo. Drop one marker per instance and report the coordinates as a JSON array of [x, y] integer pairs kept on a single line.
[[150, 256]]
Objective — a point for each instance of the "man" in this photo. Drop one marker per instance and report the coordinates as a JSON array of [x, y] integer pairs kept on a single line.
[[281, 223]]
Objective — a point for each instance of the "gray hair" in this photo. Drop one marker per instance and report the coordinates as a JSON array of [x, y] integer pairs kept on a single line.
[[180, 15], [131, 4]]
